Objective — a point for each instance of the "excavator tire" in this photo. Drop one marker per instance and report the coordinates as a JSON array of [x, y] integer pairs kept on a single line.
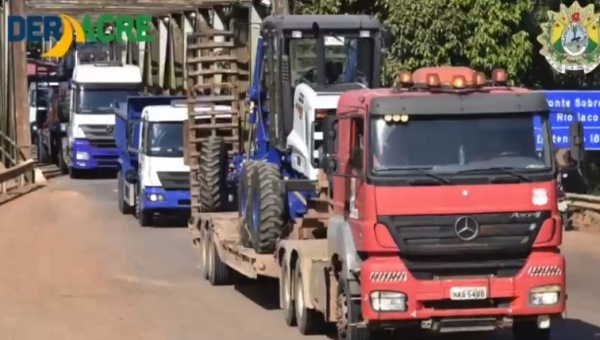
[[212, 175], [245, 209], [267, 199]]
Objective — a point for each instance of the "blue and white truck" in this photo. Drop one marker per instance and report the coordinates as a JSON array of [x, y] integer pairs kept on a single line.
[[95, 87], [153, 177]]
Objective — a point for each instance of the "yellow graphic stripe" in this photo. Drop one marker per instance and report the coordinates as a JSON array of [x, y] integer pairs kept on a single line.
[[556, 29], [65, 41]]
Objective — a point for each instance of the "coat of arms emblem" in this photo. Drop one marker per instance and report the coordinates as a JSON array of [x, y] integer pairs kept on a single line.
[[570, 39]]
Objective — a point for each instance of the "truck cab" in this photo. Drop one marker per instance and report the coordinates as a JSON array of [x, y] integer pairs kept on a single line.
[[446, 205], [95, 87], [154, 177]]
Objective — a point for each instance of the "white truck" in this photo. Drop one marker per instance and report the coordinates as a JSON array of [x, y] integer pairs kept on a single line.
[[95, 87], [153, 177]]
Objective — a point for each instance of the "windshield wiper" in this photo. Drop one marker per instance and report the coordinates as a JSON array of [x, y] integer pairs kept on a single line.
[[423, 170], [504, 169]]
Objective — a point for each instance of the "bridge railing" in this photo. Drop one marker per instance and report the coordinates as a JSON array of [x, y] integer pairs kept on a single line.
[[13, 173]]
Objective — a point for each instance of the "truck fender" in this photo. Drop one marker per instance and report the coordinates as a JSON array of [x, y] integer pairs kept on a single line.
[[309, 252], [341, 244]]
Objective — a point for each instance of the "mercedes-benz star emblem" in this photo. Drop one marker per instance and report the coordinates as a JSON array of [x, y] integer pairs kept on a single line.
[[466, 228], [110, 129]]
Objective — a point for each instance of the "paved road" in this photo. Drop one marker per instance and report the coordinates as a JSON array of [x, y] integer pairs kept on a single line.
[[72, 267]]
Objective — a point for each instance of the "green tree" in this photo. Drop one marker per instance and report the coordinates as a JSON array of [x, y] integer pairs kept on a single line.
[[483, 34]]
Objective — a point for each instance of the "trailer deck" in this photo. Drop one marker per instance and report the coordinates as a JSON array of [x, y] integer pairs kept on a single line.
[[223, 227]]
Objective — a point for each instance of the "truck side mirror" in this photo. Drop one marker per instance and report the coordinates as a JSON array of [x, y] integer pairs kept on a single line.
[[386, 37], [356, 160], [330, 129], [131, 177], [577, 147]]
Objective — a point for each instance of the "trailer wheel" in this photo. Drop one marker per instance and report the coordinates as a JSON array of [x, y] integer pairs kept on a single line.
[[219, 273], [124, 207], [286, 296], [530, 331], [267, 203], [348, 312], [204, 253], [244, 207], [212, 175], [309, 320]]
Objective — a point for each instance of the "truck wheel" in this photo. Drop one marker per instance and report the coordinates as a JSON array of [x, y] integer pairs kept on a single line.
[[124, 207], [309, 320], [244, 210], [530, 331], [74, 173], [219, 273], [144, 217], [286, 297], [348, 312], [62, 165], [42, 152], [212, 163], [267, 203]]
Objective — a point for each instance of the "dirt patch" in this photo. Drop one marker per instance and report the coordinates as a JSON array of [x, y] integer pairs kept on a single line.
[[51, 277], [586, 221]]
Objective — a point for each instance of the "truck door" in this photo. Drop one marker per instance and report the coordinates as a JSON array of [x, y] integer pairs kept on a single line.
[[141, 143], [355, 176]]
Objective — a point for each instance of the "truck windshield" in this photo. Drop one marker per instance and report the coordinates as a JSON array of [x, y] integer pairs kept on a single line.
[[165, 139], [460, 143], [101, 100], [348, 60]]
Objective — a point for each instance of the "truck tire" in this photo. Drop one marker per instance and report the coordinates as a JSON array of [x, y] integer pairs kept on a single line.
[[530, 331], [144, 217], [309, 320], [42, 152], [74, 173], [62, 165], [244, 207], [212, 175], [348, 312], [267, 200], [124, 207], [286, 293], [219, 274]]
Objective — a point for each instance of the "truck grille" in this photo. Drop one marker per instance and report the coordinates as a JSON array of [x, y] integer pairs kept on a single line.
[[99, 136], [431, 248], [174, 180]]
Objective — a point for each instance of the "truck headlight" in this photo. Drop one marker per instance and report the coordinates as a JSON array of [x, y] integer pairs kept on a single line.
[[63, 127], [156, 197], [382, 301], [544, 295], [82, 156]]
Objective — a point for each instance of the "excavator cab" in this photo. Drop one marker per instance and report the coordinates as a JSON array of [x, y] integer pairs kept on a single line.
[[329, 53]]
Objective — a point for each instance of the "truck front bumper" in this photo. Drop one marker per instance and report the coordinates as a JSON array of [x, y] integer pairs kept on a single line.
[[157, 198], [86, 157], [538, 289]]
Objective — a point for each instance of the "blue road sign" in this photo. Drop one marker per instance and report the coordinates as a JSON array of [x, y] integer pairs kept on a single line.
[[567, 107]]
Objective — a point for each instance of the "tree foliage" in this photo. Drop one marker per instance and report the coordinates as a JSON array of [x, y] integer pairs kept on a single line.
[[483, 34]]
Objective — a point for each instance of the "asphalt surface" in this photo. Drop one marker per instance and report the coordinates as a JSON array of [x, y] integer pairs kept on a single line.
[[73, 267]]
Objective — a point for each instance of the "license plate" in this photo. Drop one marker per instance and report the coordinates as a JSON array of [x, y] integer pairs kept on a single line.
[[468, 293]]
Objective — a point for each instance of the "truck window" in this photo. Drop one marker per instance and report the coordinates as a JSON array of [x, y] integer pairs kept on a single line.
[[357, 134], [347, 60], [100, 100], [164, 139], [454, 143]]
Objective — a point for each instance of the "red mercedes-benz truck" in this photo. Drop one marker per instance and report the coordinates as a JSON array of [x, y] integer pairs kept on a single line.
[[437, 209]]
